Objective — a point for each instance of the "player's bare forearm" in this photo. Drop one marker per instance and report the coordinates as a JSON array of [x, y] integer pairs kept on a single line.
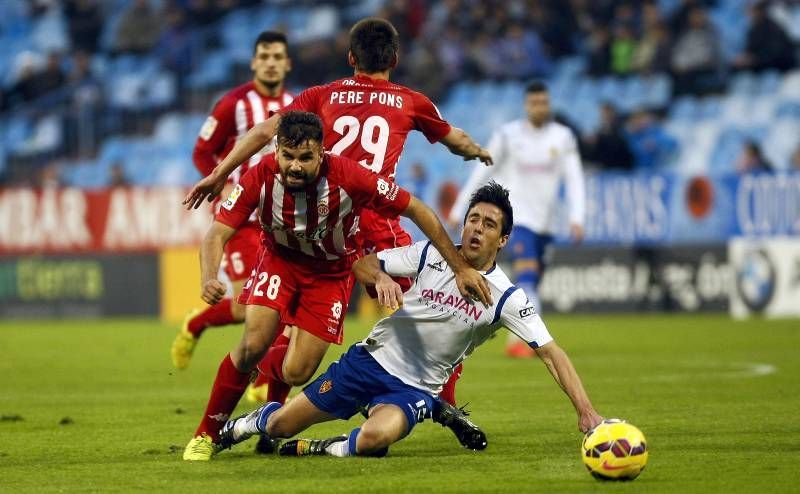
[[367, 269], [564, 373], [469, 281], [252, 142], [460, 143], [211, 249]]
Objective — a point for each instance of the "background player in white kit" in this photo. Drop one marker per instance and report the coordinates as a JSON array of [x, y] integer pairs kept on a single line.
[[401, 366], [532, 156]]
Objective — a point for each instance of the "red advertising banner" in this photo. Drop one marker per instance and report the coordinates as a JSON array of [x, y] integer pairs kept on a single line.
[[111, 220]]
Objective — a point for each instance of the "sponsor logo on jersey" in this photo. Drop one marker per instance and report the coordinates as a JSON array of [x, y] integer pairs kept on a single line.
[[231, 200], [438, 266], [387, 189], [527, 311], [326, 386], [208, 128], [454, 301]]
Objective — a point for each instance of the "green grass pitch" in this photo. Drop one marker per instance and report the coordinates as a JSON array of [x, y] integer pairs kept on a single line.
[[96, 406]]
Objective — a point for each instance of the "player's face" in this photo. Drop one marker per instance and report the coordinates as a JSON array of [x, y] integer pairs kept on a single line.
[[299, 165], [270, 63], [537, 106], [482, 236]]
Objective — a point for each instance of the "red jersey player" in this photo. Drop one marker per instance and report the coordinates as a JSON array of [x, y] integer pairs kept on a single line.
[[307, 203], [238, 111], [366, 118]]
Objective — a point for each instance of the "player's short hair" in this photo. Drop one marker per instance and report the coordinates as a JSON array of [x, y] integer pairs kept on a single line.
[[297, 127], [496, 194], [536, 87], [374, 44], [270, 37]]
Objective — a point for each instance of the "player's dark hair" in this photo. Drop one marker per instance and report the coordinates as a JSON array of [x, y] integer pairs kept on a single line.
[[536, 87], [496, 194], [374, 44], [270, 37], [297, 127]]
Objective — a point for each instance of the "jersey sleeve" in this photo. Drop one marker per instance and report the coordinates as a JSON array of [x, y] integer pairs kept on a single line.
[[243, 200], [308, 100], [404, 261], [521, 318], [370, 190], [428, 120], [214, 134]]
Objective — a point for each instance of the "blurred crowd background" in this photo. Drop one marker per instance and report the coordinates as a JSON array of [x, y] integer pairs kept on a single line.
[[103, 92]]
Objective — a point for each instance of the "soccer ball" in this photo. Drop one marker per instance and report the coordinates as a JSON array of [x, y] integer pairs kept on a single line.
[[614, 450]]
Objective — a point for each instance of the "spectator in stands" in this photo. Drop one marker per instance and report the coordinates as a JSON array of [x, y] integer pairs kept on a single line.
[[607, 147], [139, 28], [118, 177], [599, 51], [419, 180], [649, 143], [174, 46], [623, 47], [85, 90], [33, 81], [522, 53], [696, 56], [752, 160], [652, 53], [85, 23], [768, 45], [795, 165]]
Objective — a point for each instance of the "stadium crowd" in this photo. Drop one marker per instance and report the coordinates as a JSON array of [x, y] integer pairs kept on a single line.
[[68, 86]]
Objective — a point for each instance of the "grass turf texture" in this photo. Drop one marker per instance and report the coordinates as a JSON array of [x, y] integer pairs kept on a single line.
[[102, 409]]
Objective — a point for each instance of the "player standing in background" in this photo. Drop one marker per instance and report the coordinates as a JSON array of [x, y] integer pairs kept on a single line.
[[403, 363], [532, 156], [307, 202], [238, 111], [366, 118]]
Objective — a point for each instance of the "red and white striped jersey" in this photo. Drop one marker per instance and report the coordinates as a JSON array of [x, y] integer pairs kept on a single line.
[[368, 120], [237, 111], [319, 221]]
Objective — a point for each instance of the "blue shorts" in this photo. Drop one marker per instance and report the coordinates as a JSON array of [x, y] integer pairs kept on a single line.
[[527, 244], [357, 380]]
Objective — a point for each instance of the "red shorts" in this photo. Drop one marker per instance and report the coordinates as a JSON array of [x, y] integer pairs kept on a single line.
[[314, 301], [379, 233], [241, 252]]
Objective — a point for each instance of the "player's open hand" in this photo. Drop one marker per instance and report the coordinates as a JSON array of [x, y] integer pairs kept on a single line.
[[213, 291], [485, 157], [390, 294], [473, 286], [588, 420], [207, 188]]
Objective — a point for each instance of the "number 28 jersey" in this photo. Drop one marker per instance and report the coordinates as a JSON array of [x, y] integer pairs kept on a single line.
[[367, 120]]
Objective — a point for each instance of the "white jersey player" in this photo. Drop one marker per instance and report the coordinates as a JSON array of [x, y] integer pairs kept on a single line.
[[396, 372], [532, 156]]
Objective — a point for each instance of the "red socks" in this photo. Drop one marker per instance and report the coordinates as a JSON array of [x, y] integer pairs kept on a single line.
[[448, 393], [215, 315], [229, 386]]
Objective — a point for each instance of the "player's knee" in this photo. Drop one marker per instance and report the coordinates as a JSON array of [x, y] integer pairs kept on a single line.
[[280, 426], [252, 351], [297, 375], [372, 439]]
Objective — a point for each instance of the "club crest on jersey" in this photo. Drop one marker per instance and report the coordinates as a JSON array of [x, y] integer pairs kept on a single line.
[[322, 208], [326, 386], [527, 311], [231, 200], [336, 310]]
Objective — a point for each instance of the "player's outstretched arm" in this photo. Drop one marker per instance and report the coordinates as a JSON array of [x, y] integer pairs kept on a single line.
[[460, 143], [470, 282], [211, 289], [367, 271], [255, 139], [564, 373]]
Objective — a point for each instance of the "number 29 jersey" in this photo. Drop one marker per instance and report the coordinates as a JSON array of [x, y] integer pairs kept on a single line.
[[368, 120]]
